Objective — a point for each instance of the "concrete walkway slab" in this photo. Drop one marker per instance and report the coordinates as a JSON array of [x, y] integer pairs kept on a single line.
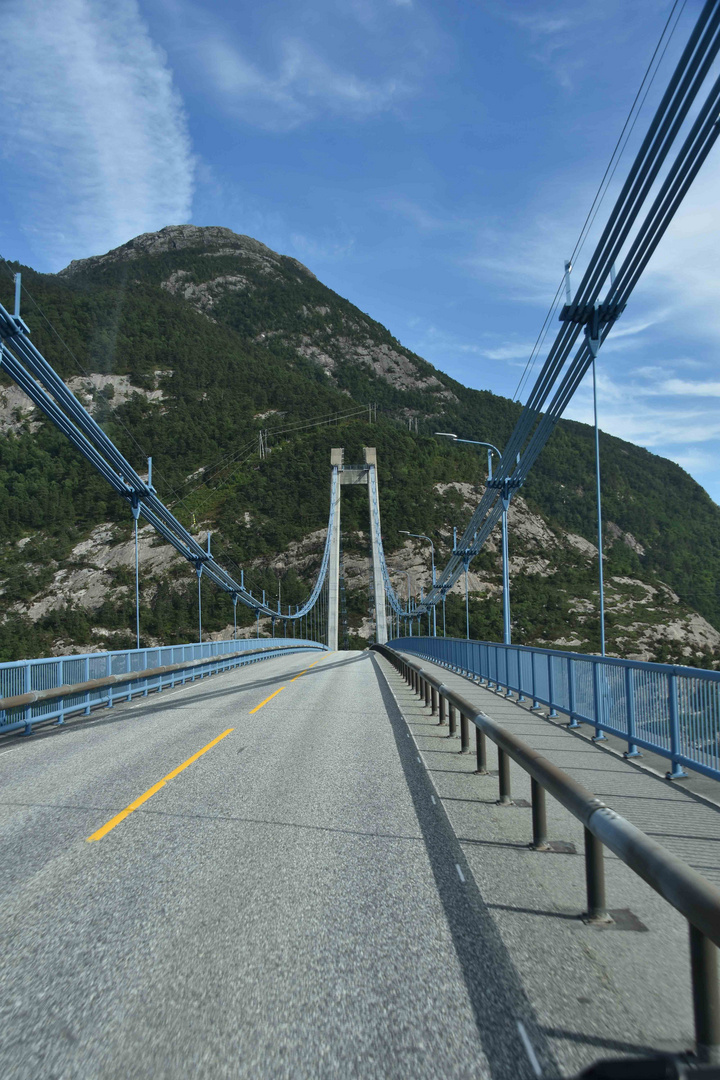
[[597, 993]]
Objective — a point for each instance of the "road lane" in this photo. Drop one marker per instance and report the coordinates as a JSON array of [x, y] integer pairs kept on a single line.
[[289, 906], [64, 782]]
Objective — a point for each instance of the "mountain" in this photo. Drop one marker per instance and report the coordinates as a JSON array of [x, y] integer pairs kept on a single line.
[[187, 344]]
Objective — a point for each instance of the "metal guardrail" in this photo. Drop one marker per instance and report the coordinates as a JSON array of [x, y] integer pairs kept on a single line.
[[36, 691], [688, 892], [674, 711]]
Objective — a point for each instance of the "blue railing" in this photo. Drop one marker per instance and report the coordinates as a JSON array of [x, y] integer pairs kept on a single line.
[[674, 711], [23, 676]]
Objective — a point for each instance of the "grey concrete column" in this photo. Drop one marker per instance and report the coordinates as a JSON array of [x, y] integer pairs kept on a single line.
[[378, 580], [336, 461]]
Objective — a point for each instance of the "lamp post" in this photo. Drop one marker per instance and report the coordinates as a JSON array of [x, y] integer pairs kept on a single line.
[[505, 495], [593, 339], [599, 514], [422, 536]]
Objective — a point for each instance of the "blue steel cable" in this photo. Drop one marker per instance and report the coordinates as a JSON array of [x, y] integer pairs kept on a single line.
[[679, 97], [80, 428]]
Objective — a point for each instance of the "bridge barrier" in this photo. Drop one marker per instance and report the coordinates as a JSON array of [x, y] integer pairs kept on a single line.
[[37, 691], [689, 893], [674, 711]]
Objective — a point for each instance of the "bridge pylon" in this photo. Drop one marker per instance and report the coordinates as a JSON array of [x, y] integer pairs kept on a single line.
[[356, 474]]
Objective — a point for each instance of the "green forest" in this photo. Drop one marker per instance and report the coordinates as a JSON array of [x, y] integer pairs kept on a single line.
[[235, 369]]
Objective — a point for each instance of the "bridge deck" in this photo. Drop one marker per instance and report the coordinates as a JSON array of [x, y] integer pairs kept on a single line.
[[297, 903], [287, 906]]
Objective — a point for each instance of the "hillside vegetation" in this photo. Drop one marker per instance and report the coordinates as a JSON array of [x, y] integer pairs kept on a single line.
[[186, 344]]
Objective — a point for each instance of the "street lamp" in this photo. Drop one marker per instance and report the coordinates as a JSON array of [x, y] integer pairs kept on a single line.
[[505, 496], [422, 536]]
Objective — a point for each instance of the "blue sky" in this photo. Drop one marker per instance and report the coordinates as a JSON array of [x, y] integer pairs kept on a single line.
[[432, 161]]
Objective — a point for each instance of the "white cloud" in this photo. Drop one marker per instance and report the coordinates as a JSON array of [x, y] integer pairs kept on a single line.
[[94, 133], [690, 389], [510, 351], [302, 81], [334, 61], [327, 248], [696, 461], [425, 220]]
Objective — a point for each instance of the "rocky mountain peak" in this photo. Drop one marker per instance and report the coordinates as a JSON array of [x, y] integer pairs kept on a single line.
[[212, 239]]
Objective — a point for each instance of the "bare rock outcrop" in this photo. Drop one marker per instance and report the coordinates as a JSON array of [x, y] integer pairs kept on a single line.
[[182, 237]]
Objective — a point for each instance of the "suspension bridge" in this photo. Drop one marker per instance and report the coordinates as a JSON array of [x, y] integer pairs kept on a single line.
[[268, 857]]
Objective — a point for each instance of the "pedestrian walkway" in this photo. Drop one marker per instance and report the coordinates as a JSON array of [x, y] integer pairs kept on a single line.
[[597, 992], [672, 813]]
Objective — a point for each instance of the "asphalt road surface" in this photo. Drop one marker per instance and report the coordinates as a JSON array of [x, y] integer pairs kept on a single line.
[[291, 903]]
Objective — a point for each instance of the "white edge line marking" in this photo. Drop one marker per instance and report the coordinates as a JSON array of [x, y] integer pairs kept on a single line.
[[9, 751], [460, 873], [529, 1049], [419, 759], [433, 800]]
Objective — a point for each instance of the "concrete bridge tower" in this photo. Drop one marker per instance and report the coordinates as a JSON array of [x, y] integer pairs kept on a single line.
[[356, 474]]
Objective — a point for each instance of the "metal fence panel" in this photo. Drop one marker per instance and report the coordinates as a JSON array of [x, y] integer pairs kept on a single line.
[[21, 676], [672, 710]]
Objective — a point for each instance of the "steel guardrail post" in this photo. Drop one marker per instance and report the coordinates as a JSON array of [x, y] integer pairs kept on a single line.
[[87, 679], [597, 702], [551, 688], [61, 716], [677, 772], [505, 798], [128, 669], [110, 689], [595, 879], [441, 709], [706, 996], [571, 693], [480, 752], [433, 701], [426, 693], [521, 688], [464, 734], [632, 750], [27, 712], [451, 720], [539, 816]]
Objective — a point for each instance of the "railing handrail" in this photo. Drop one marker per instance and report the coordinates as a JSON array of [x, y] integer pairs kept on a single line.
[[671, 710], [612, 661], [35, 697], [697, 899], [243, 643]]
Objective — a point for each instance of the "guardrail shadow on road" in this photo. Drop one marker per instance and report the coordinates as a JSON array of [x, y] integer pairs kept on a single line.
[[493, 984]]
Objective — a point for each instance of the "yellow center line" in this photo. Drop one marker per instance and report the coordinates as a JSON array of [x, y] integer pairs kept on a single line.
[[310, 666], [267, 699], [155, 788]]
